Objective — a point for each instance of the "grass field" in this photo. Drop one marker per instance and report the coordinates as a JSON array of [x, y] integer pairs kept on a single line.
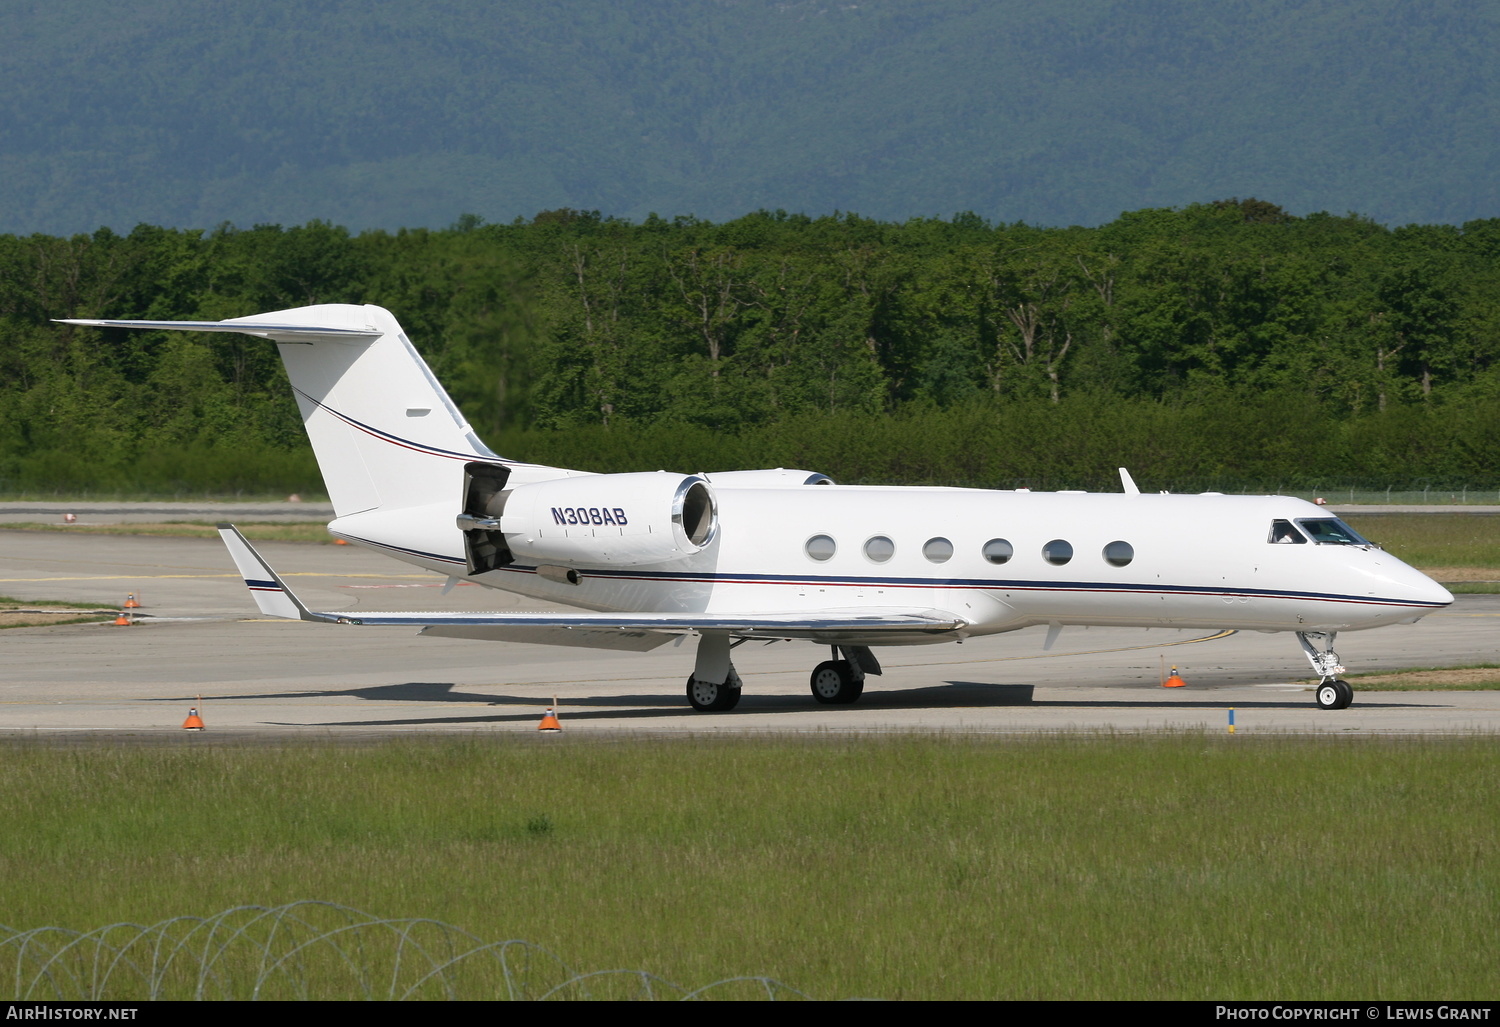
[[1449, 547], [30, 613], [1474, 677], [1170, 867], [257, 531]]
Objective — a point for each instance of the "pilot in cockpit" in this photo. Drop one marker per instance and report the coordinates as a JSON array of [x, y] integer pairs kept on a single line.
[[1283, 532]]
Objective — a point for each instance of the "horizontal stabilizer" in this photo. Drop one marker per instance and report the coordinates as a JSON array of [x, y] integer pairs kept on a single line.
[[244, 326]]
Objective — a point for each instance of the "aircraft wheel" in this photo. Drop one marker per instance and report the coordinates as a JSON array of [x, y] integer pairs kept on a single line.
[[1330, 695], [834, 684], [707, 697], [1346, 693]]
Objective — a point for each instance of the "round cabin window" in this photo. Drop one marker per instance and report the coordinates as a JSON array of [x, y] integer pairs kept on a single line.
[[821, 547], [998, 550], [938, 550]]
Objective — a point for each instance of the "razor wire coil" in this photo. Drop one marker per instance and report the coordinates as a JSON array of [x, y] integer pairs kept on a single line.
[[317, 950]]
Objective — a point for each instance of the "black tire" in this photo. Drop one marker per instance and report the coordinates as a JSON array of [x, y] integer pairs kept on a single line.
[[707, 697], [1346, 694], [833, 683], [1330, 696]]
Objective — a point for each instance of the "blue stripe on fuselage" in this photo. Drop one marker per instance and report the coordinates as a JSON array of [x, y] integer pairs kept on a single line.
[[988, 584]]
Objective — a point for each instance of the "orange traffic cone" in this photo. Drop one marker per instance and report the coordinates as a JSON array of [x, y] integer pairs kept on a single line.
[[123, 620], [549, 719], [340, 542], [1173, 681], [193, 722], [130, 603]]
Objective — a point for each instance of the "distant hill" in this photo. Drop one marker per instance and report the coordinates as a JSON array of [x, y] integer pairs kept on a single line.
[[384, 113]]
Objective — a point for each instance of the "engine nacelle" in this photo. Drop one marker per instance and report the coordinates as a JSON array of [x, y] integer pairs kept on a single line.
[[624, 520], [769, 478]]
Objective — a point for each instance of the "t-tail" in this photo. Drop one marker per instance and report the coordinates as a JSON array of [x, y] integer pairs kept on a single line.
[[385, 434]]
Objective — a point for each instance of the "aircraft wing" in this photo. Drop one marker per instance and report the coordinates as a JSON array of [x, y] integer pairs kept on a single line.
[[640, 631]]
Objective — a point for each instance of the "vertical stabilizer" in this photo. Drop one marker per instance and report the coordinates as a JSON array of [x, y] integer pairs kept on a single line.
[[385, 433]]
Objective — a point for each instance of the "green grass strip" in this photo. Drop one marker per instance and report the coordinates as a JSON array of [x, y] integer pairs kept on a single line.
[[1435, 539], [259, 531], [1187, 866], [1466, 678], [14, 612]]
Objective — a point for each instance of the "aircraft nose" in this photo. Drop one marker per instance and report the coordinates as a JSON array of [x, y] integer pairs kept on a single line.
[[1413, 595], [1419, 588], [1432, 592]]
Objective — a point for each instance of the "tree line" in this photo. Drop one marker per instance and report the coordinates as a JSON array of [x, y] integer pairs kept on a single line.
[[1226, 345]]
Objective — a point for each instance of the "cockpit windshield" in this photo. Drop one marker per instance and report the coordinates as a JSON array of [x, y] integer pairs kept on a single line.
[[1283, 533], [1331, 530]]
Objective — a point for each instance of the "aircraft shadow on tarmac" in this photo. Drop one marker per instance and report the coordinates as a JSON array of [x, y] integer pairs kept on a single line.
[[953, 695]]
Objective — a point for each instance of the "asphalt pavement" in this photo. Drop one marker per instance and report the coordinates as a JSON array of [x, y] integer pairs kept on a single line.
[[200, 641]]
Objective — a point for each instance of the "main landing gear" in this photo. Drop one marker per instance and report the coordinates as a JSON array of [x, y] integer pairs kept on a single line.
[[1333, 693], [714, 686], [707, 697], [836, 682], [841, 680]]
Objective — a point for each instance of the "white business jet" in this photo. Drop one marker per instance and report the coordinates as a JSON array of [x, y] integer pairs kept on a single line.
[[781, 554]]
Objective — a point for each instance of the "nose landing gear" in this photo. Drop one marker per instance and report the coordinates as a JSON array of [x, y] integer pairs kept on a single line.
[[1333, 693]]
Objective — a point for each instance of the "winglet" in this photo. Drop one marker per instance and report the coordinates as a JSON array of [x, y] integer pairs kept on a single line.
[[270, 592], [1128, 483]]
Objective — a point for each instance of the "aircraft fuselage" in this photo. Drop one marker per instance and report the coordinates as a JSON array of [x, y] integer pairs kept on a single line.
[[1125, 560]]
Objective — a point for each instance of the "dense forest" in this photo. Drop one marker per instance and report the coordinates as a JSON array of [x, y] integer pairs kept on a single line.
[[1225, 345]]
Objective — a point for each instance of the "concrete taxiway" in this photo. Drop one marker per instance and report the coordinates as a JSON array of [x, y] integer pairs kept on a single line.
[[200, 635], [117, 512]]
